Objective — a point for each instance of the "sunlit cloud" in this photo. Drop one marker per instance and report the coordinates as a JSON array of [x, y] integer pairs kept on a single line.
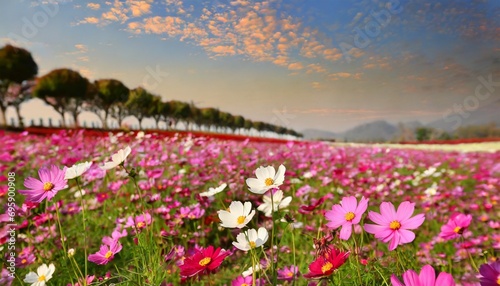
[[93, 6]]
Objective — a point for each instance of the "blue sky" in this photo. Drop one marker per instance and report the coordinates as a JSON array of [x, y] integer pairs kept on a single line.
[[302, 64]]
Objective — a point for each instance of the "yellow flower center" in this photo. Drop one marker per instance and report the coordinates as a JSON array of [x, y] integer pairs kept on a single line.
[[498, 280], [108, 254], [41, 278], [244, 284], [458, 230], [48, 186], [23, 261], [140, 224], [253, 244], [241, 219], [349, 216], [205, 261], [395, 225], [289, 274], [326, 267], [269, 182]]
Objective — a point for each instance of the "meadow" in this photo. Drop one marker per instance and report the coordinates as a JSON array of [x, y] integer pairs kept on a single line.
[[142, 209]]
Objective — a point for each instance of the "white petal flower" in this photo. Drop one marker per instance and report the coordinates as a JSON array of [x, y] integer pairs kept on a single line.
[[238, 215], [278, 201], [43, 275], [117, 158], [251, 239], [77, 170], [213, 191], [267, 178], [250, 270]]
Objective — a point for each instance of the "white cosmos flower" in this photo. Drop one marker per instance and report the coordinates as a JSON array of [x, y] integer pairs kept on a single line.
[[238, 215], [43, 275], [267, 178], [251, 239], [213, 191], [251, 270], [77, 170], [278, 201], [117, 158]]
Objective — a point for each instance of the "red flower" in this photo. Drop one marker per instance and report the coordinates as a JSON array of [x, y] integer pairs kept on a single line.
[[205, 260], [326, 264]]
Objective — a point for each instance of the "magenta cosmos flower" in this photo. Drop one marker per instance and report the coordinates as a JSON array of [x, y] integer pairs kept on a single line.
[[455, 226], [346, 214], [205, 260], [106, 253], [427, 277], [490, 274], [51, 181], [394, 226]]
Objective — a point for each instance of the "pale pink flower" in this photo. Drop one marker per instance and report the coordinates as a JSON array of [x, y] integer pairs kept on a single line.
[[346, 214], [394, 226]]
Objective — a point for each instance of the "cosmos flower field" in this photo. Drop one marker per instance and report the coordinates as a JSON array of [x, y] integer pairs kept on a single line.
[[123, 209]]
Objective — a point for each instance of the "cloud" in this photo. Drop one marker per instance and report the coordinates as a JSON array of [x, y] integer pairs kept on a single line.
[[93, 6], [344, 75], [89, 20], [139, 8], [295, 66], [316, 85], [332, 54], [81, 48], [240, 3], [315, 68], [223, 50]]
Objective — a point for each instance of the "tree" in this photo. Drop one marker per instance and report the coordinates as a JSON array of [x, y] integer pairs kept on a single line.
[[110, 98], [158, 110], [139, 103], [181, 111], [423, 133], [66, 91], [16, 66]]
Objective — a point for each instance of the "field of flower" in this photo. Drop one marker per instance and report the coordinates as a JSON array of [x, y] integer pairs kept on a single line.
[[146, 210]]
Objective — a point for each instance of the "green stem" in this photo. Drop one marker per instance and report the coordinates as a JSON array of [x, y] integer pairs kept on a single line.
[[84, 231], [357, 252], [472, 262], [273, 266], [293, 253]]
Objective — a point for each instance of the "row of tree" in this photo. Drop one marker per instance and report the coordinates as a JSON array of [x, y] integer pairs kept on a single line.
[[67, 91]]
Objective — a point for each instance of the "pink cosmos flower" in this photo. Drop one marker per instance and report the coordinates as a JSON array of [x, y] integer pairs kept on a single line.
[[51, 181], [247, 281], [288, 273], [106, 253], [455, 226], [346, 214], [394, 226], [139, 222], [490, 274], [427, 277]]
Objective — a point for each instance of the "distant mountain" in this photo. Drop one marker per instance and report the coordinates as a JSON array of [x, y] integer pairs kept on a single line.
[[318, 134], [381, 130], [374, 131], [486, 113]]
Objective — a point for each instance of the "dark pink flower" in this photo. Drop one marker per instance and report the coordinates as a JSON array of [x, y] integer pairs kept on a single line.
[[106, 253], [490, 274], [204, 260], [455, 226]]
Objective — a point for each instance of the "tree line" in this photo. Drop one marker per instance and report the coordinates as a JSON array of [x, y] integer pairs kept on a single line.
[[67, 91]]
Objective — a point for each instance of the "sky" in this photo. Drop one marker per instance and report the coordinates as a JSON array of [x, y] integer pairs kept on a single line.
[[321, 64]]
